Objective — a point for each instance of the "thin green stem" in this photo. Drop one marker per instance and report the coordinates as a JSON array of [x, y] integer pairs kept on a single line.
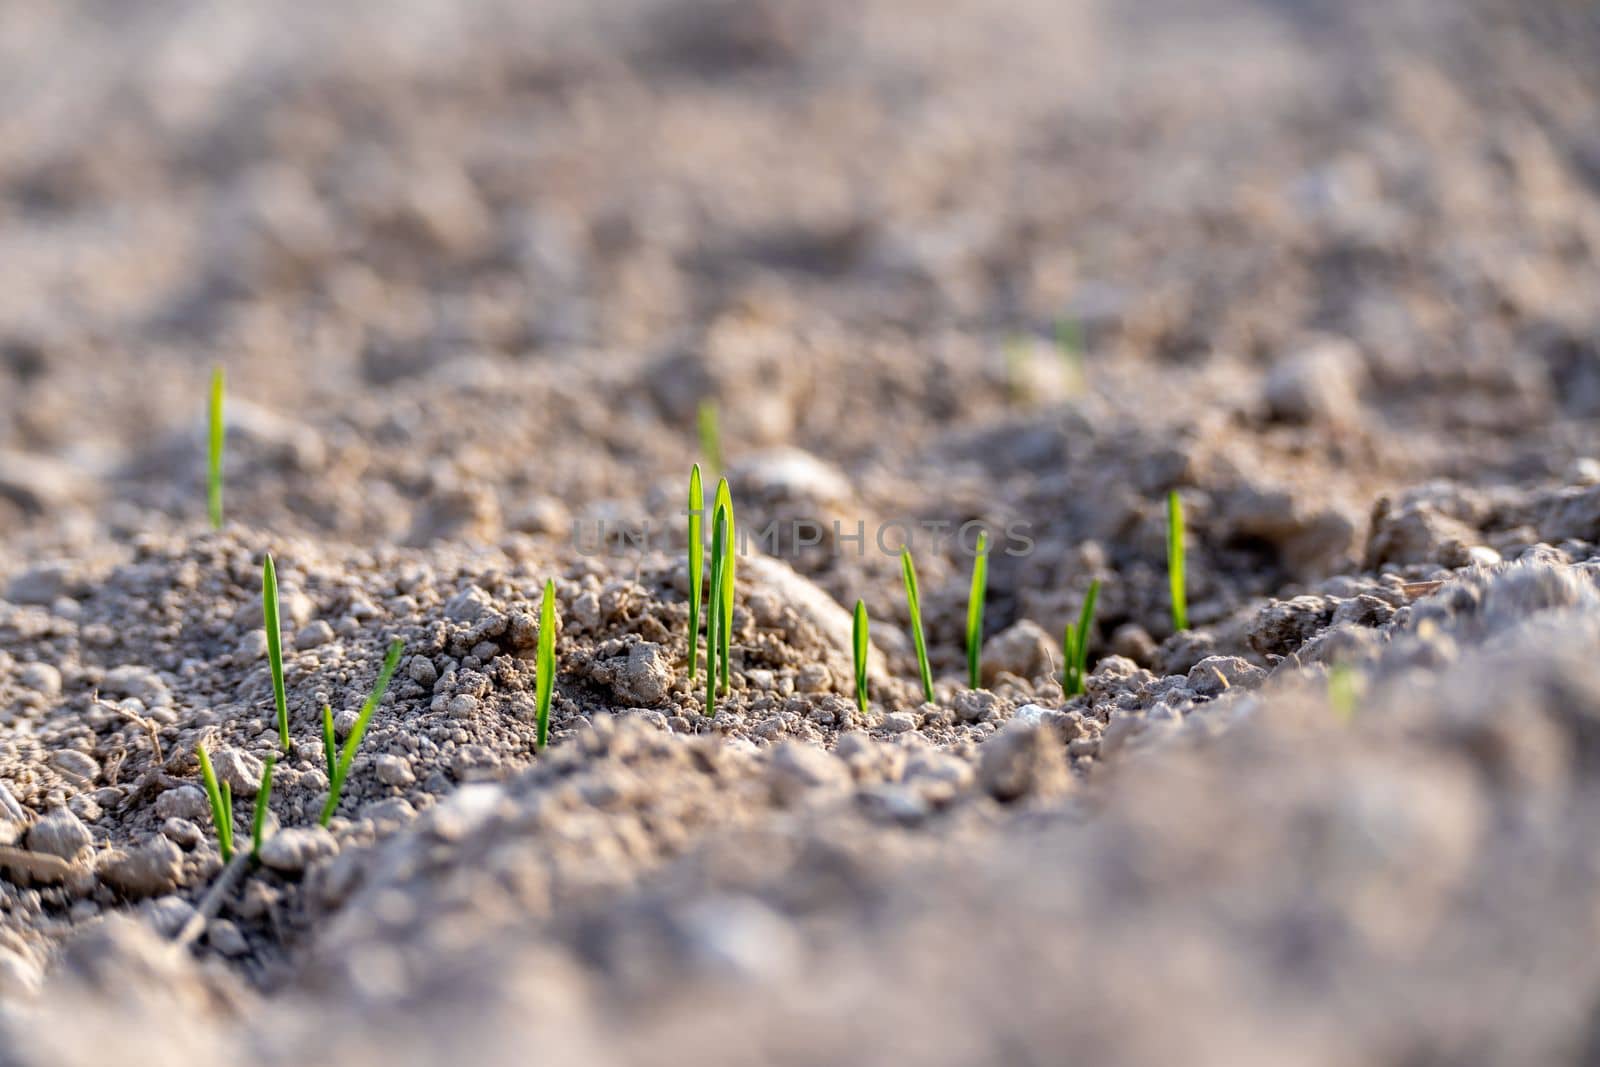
[[908, 571], [347, 755], [975, 601], [258, 822], [220, 815], [697, 562], [1175, 562], [544, 686], [216, 439], [860, 640], [269, 613]]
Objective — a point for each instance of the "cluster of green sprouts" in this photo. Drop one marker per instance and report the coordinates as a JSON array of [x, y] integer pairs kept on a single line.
[[339, 763], [339, 760], [1075, 646], [220, 796], [719, 605], [718, 599]]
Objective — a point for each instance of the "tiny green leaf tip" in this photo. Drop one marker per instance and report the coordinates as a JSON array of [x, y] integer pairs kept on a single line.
[[546, 664], [861, 640]]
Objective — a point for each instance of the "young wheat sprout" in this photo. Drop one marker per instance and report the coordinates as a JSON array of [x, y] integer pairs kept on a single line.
[[269, 612], [975, 598], [860, 640], [724, 506], [1344, 692], [258, 822], [330, 747], [221, 804], [347, 755], [215, 438], [714, 615], [545, 664], [1075, 646], [908, 571], [1175, 565], [697, 563]]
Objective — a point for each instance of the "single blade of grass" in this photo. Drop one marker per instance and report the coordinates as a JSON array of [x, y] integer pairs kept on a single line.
[[220, 816], [258, 821], [697, 562], [347, 754], [714, 615], [724, 505], [1175, 565], [1344, 692], [908, 570], [710, 434], [980, 586], [227, 813], [269, 612], [330, 750], [1075, 646], [1069, 338], [545, 684], [1069, 343], [860, 641], [216, 438]]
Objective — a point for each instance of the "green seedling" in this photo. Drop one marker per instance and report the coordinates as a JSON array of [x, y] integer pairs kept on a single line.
[[1069, 343], [1175, 566], [1069, 339], [1075, 646], [860, 640], [697, 563], [908, 570], [347, 755], [980, 585], [330, 747], [258, 823], [1344, 692], [724, 505], [546, 663], [269, 612], [216, 436], [221, 799], [710, 434], [714, 616]]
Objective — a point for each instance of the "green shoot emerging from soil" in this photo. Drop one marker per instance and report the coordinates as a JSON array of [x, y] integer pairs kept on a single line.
[[545, 684], [347, 755], [860, 639], [216, 435], [980, 585], [724, 505], [269, 612], [1344, 692], [710, 434], [221, 804], [258, 823], [1069, 339], [720, 546], [1175, 567], [697, 564], [1075, 646], [330, 747], [908, 570]]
